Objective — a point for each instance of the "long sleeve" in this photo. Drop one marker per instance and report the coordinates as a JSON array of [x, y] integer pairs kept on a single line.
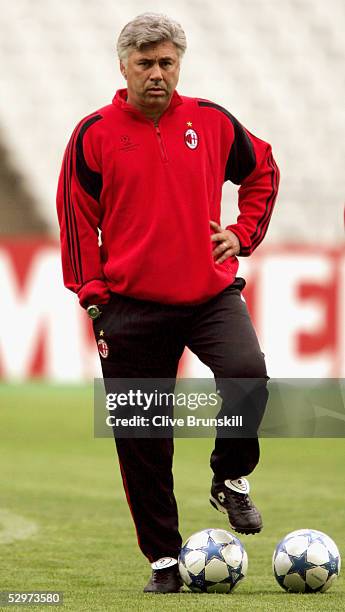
[[78, 207], [251, 165]]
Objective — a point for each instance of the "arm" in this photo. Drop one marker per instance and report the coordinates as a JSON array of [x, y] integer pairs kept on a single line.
[[251, 165], [78, 207]]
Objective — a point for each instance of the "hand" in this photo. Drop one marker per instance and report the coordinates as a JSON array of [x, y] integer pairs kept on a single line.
[[228, 243]]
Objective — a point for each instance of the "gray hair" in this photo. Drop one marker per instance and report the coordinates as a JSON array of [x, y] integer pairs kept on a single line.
[[148, 29]]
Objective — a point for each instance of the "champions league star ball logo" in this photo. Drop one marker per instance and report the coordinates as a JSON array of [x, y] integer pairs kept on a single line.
[[191, 139]]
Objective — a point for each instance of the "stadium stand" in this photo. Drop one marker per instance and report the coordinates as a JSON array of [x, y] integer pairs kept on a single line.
[[277, 66], [19, 213]]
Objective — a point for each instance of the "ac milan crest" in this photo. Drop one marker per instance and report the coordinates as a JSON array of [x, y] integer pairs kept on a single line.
[[103, 348], [191, 139]]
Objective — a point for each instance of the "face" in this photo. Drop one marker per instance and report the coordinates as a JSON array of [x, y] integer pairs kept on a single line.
[[152, 75]]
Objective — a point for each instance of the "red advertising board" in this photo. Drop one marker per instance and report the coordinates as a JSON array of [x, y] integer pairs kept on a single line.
[[296, 296]]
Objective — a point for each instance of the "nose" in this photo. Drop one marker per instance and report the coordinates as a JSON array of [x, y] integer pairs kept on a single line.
[[156, 74]]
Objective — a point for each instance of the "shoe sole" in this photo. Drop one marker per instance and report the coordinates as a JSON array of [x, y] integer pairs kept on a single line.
[[246, 531]]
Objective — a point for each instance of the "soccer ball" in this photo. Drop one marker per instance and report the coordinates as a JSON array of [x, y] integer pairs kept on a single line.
[[306, 561], [212, 561]]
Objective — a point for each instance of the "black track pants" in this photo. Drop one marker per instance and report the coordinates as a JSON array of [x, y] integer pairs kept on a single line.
[[146, 340]]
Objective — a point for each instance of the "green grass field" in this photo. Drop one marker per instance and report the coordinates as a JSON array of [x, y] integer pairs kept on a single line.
[[65, 524]]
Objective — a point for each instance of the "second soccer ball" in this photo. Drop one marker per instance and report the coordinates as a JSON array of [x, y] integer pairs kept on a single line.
[[306, 561]]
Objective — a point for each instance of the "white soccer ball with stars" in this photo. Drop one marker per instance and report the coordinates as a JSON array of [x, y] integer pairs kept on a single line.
[[306, 561], [213, 561]]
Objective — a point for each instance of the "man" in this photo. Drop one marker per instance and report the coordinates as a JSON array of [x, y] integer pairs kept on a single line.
[[148, 171]]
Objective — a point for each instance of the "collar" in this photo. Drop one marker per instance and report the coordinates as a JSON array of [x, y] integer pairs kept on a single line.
[[120, 100]]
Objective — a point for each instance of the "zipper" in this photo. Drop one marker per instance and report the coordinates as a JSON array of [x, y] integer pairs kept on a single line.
[[161, 144]]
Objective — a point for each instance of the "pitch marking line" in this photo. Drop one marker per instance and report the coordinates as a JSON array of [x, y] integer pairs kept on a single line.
[[15, 527]]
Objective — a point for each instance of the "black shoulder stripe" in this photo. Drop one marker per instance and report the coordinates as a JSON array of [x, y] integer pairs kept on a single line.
[[90, 180], [67, 211], [73, 242], [242, 160]]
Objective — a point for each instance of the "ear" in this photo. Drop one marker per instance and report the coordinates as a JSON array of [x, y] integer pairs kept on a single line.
[[123, 69]]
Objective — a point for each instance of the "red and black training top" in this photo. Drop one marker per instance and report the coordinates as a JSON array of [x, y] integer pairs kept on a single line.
[[152, 191]]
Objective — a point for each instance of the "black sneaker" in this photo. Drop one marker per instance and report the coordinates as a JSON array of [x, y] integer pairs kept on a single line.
[[231, 497], [165, 577]]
